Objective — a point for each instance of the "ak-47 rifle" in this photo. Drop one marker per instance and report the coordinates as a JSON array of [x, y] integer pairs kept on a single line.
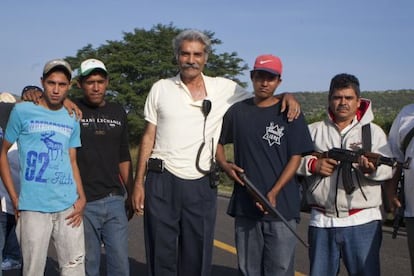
[[267, 206], [347, 157]]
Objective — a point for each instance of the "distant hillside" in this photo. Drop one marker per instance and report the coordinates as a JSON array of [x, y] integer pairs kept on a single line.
[[386, 104]]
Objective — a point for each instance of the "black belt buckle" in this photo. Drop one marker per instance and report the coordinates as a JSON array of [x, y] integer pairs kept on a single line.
[[115, 193]]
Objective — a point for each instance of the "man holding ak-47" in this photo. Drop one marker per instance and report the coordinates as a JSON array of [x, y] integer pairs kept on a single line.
[[345, 195]]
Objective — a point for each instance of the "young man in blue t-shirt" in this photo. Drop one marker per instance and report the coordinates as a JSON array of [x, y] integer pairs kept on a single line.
[[51, 200], [268, 149]]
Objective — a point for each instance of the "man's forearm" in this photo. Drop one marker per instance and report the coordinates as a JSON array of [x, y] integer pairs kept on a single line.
[[221, 155], [125, 170], [143, 155], [144, 152]]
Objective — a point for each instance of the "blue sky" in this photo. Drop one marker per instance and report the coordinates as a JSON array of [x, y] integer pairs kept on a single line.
[[316, 39]]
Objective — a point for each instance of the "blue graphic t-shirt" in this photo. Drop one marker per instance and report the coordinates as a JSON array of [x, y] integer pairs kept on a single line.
[[44, 138]]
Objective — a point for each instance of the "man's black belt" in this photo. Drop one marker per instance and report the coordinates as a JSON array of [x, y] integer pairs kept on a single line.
[[116, 192]]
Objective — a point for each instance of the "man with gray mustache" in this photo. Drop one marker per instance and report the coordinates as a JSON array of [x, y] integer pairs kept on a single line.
[[176, 158]]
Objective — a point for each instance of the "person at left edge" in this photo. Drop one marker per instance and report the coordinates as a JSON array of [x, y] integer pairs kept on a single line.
[[9, 246], [51, 200]]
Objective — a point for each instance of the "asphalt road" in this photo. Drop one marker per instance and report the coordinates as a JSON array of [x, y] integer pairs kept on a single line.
[[394, 253]]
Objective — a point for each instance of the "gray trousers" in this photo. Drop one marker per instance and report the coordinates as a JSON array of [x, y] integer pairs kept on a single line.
[[34, 231]]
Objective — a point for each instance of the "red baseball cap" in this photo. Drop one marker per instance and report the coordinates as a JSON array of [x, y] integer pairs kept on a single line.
[[268, 63]]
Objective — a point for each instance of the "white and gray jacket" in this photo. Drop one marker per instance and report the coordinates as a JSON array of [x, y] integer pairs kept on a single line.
[[327, 193]]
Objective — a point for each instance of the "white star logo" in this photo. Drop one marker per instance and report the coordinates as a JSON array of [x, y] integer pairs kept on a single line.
[[273, 134]]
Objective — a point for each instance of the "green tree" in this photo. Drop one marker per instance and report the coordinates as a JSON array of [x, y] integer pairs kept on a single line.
[[142, 58]]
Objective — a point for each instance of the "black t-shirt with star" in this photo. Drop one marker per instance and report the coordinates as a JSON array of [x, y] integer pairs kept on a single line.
[[263, 142]]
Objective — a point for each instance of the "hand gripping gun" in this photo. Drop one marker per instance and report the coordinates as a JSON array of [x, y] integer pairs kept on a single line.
[[347, 157], [267, 206]]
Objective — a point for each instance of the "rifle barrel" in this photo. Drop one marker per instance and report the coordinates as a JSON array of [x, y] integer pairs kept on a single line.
[[267, 206]]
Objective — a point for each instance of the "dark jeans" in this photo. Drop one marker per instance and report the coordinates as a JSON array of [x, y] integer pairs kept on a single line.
[[8, 240], [358, 246], [179, 222]]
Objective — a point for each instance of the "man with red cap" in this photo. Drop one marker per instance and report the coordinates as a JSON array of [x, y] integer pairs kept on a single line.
[[268, 149]]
